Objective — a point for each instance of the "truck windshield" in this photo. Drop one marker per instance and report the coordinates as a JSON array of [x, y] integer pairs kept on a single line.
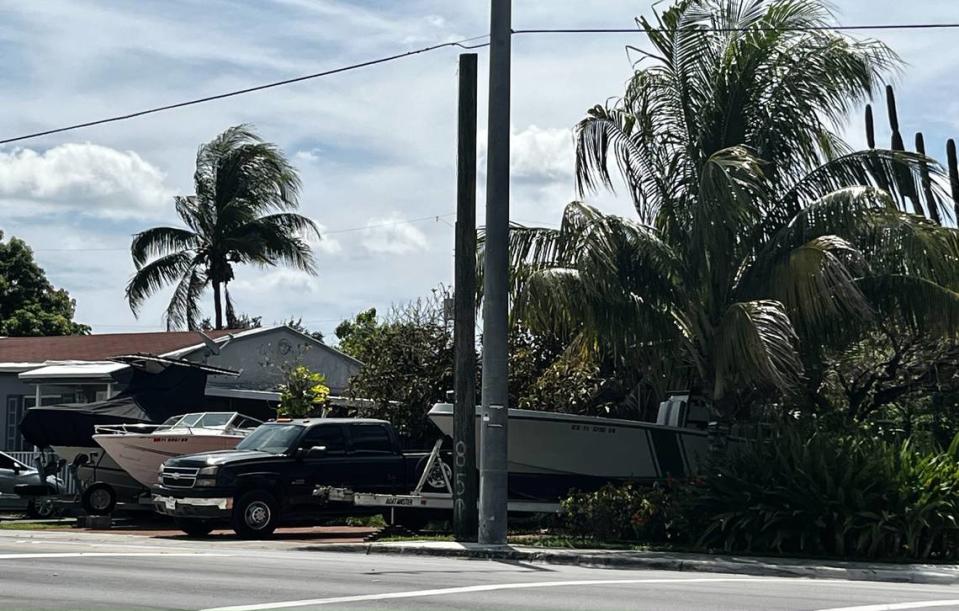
[[271, 438]]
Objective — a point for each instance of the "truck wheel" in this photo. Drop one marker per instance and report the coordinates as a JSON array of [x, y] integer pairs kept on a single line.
[[194, 528], [255, 515], [98, 499]]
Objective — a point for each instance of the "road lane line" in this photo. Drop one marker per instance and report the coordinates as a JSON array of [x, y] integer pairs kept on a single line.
[[919, 604], [109, 555], [484, 588]]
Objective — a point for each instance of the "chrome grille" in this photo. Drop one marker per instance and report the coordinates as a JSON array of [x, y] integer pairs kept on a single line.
[[178, 477]]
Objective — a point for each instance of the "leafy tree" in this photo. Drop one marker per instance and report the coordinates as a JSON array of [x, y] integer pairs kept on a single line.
[[408, 365], [297, 325], [242, 213], [29, 304], [241, 321], [759, 231], [354, 335], [302, 392]]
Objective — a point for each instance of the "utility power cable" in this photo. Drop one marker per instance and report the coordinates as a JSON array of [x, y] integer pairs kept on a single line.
[[439, 218], [463, 44], [220, 96], [821, 28]]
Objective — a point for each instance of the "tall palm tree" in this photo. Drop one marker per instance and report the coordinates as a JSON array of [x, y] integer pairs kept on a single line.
[[242, 212], [760, 234]]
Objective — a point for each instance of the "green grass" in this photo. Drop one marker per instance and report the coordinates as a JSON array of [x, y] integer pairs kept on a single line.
[[31, 526]]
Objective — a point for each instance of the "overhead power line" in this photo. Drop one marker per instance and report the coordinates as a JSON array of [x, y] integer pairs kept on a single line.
[[823, 28], [459, 43], [463, 44], [434, 217]]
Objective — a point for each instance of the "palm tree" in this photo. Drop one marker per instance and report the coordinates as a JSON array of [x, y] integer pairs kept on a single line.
[[760, 235], [242, 212]]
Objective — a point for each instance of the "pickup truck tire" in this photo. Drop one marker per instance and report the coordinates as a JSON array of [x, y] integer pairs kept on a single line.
[[194, 527], [255, 515]]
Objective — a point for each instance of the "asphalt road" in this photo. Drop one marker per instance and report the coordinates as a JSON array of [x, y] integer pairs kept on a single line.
[[54, 570]]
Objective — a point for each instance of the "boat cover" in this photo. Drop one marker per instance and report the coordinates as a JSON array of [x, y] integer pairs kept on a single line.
[[150, 397]]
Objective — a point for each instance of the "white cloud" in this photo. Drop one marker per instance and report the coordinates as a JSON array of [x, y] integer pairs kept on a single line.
[[324, 244], [542, 153], [100, 180], [393, 236], [537, 154]]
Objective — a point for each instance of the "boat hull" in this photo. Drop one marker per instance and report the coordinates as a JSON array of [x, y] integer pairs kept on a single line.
[[141, 455], [551, 453]]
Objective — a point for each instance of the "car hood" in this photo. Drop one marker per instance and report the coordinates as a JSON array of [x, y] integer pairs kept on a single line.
[[208, 459]]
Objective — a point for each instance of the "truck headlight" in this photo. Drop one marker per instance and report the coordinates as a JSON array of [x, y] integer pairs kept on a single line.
[[206, 477]]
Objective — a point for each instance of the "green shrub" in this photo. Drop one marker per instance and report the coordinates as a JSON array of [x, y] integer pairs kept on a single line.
[[826, 494], [628, 512]]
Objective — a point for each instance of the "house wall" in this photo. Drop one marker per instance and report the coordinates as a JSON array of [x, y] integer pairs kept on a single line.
[[12, 392], [262, 357]]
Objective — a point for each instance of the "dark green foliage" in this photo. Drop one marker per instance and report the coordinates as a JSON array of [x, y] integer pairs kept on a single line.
[[29, 304], [870, 128], [408, 366], [630, 512], [927, 180], [826, 494], [953, 164]]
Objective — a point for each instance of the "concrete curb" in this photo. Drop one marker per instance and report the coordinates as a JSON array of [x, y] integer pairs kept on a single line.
[[662, 561]]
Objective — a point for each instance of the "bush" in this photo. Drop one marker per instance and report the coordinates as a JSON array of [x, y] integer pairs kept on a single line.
[[826, 494], [629, 512], [302, 392]]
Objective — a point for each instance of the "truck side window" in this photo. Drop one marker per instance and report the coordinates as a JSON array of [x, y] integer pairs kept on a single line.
[[6, 462], [370, 439], [329, 435]]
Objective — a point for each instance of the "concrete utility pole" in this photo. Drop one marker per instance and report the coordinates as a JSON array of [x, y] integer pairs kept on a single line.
[[465, 521], [493, 460]]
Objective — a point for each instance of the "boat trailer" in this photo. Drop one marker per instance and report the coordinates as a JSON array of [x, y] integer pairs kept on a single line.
[[437, 474]]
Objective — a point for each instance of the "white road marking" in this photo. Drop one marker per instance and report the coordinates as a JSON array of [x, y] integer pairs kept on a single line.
[[108, 555], [483, 588], [919, 604]]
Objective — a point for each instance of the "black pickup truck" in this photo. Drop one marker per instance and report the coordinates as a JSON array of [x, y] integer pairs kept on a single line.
[[277, 474]]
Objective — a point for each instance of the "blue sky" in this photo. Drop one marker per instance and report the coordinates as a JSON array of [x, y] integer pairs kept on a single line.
[[374, 146]]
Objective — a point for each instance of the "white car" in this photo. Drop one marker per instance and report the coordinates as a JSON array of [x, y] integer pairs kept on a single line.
[[14, 473]]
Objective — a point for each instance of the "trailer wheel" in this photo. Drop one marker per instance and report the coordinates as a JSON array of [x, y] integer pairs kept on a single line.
[[193, 527], [255, 515], [99, 499], [434, 480]]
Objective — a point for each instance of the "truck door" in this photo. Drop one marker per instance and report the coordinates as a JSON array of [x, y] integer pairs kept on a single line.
[[320, 468], [377, 462]]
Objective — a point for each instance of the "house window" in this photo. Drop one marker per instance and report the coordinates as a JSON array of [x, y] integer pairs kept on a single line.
[[12, 440]]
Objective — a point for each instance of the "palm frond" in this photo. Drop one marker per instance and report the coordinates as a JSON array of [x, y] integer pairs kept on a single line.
[[155, 275], [756, 344], [922, 305], [160, 241], [183, 311]]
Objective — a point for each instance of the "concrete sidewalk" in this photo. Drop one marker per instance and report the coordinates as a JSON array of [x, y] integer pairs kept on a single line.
[[666, 561]]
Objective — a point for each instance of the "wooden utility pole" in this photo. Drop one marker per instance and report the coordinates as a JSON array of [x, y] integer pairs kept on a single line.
[[493, 458], [465, 488]]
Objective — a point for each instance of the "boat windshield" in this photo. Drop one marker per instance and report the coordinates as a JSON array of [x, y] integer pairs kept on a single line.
[[214, 420], [271, 438]]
